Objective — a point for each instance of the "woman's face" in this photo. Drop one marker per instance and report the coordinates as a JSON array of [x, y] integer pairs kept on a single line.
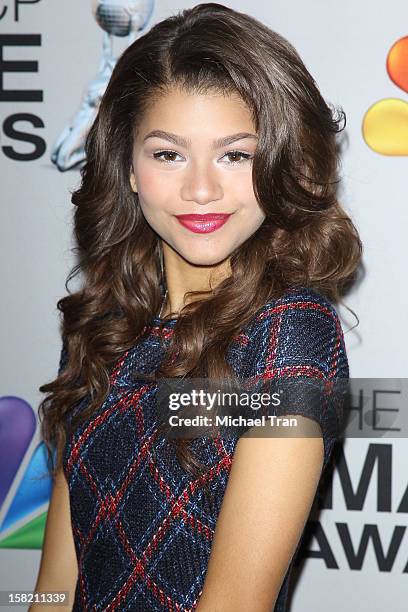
[[179, 168]]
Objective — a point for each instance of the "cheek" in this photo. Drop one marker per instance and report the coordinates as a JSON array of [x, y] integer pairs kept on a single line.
[[241, 186], [239, 183], [153, 187]]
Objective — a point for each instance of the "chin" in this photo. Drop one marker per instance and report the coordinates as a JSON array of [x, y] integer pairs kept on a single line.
[[204, 259]]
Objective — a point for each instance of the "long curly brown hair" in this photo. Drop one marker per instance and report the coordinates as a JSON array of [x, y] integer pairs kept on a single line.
[[306, 238]]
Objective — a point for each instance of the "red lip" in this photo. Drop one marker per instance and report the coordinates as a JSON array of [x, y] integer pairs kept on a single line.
[[203, 224], [203, 217]]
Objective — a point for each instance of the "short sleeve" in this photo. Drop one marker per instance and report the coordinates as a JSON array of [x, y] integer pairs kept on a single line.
[[297, 347]]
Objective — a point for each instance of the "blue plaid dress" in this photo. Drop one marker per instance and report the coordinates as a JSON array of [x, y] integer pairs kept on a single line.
[[142, 525]]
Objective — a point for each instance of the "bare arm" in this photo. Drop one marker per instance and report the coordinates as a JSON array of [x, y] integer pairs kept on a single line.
[[58, 568], [269, 495]]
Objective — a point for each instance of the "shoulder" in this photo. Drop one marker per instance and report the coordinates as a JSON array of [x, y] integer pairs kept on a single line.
[[296, 300], [300, 327]]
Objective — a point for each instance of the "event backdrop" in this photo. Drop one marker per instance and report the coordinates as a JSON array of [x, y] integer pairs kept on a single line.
[[55, 59]]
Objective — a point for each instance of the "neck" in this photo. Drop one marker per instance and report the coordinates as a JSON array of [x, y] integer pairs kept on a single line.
[[182, 276]]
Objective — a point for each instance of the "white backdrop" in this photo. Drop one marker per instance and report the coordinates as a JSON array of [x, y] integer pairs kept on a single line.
[[344, 45]]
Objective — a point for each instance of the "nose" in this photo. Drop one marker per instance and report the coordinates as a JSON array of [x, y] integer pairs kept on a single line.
[[201, 184]]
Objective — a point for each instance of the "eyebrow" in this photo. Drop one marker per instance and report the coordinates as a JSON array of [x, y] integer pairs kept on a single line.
[[186, 142]]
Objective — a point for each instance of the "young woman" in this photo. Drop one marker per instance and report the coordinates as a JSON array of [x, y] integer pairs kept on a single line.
[[212, 245]]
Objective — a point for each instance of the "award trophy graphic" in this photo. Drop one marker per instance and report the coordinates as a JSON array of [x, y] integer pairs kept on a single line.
[[124, 18]]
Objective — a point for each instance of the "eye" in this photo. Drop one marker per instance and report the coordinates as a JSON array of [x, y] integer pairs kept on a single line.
[[159, 155], [245, 156]]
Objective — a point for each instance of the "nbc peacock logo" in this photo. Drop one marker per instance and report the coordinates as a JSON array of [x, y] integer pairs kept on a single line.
[[25, 485], [385, 124]]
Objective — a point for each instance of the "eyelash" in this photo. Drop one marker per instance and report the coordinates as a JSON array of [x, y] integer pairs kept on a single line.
[[246, 156]]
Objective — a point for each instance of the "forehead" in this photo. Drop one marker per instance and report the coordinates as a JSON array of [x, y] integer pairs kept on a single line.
[[195, 114]]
